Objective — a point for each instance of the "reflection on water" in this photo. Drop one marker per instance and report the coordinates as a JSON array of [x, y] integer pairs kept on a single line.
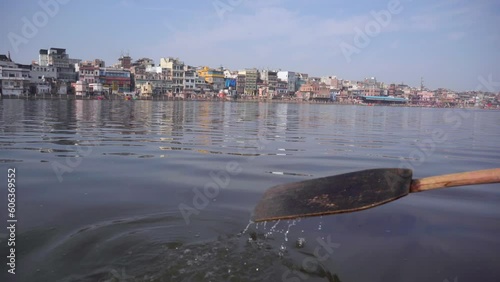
[[100, 184]]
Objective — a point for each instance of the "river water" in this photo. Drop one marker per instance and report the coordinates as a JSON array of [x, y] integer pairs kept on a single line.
[[164, 191]]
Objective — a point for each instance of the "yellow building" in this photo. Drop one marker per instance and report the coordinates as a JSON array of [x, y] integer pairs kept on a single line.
[[212, 77]]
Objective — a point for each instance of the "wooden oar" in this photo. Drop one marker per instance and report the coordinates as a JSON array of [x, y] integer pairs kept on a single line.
[[356, 191]]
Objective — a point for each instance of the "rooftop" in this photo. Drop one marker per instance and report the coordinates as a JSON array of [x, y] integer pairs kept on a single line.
[[5, 58]]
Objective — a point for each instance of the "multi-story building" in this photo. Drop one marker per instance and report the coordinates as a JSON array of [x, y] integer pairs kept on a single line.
[[57, 57], [230, 74], [332, 81], [118, 80], [173, 68], [372, 90], [201, 84], [327, 80], [96, 62], [190, 76], [336, 83], [371, 81], [230, 83], [43, 57], [240, 84], [88, 73], [425, 96], [314, 90], [81, 88], [150, 77], [250, 85], [291, 78], [124, 62], [306, 90], [147, 89], [281, 88], [323, 92], [146, 62], [392, 90], [214, 77], [298, 83], [44, 87], [38, 73], [270, 79], [14, 78]]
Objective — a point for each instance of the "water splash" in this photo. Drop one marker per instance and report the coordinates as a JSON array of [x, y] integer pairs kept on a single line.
[[274, 226], [282, 251], [250, 222], [288, 229], [300, 243]]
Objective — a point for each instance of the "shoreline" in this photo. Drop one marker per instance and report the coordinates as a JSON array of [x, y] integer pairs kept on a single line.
[[239, 100]]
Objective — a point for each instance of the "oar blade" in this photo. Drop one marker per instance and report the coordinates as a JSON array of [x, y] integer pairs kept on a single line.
[[333, 194]]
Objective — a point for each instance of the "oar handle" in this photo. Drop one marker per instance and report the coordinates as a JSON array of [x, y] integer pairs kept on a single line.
[[456, 179]]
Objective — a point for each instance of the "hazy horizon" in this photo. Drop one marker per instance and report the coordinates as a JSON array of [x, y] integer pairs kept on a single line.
[[450, 43]]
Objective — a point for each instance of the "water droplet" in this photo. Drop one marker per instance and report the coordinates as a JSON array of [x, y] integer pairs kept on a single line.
[[282, 251], [288, 229], [300, 243], [282, 247], [250, 222], [274, 226]]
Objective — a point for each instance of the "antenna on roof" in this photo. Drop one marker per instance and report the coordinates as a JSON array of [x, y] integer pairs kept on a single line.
[[8, 55]]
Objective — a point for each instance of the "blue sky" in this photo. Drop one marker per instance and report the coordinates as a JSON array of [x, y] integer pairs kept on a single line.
[[448, 42]]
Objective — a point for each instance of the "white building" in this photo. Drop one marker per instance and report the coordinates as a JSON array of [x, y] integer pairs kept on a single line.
[[190, 76], [290, 77], [14, 79], [43, 88], [38, 73], [153, 69], [174, 68], [81, 88], [230, 74], [58, 58], [96, 88]]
